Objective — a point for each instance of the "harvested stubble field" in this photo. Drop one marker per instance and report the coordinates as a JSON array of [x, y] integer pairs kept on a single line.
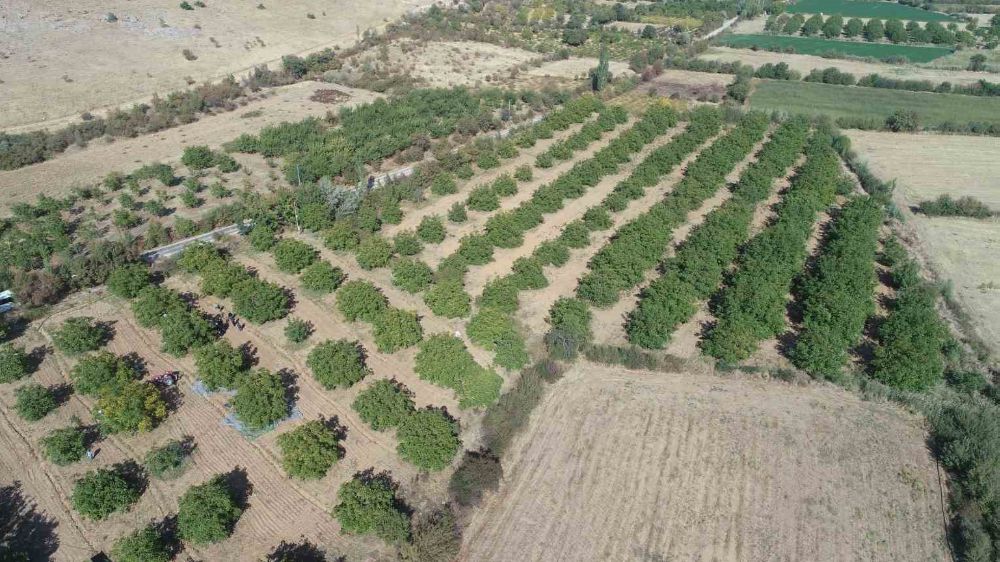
[[817, 46], [806, 63], [57, 64], [627, 465], [959, 249], [812, 98]]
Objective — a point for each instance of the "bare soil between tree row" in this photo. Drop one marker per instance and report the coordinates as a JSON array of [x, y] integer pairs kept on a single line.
[[630, 465]]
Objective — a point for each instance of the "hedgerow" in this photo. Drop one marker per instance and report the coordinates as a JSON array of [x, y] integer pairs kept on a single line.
[[444, 360], [752, 305], [396, 329], [360, 300], [697, 267], [496, 331], [837, 296], [339, 363], [640, 244]]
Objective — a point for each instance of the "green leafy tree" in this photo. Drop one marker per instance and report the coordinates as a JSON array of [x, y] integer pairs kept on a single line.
[[368, 505], [219, 364], [448, 298], [812, 25], [183, 330], [874, 30], [207, 512], [457, 213], [100, 371], [895, 31], [64, 446], [133, 407], [309, 450], [600, 77], [322, 277], [128, 280], [428, 439], [262, 237], [14, 364], [407, 244], [102, 492], [483, 198], [384, 404], [219, 278], [197, 157], [396, 329], [261, 399], [33, 402], [339, 363], [832, 27], [259, 301], [144, 545], [444, 184], [298, 330], [361, 300], [373, 252], [79, 335], [444, 360], [412, 275], [292, 256], [431, 229], [168, 461], [495, 331], [853, 28], [570, 320], [341, 236], [152, 303]]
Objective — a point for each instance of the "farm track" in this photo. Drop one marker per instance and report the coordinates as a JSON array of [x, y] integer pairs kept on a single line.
[[612, 319]]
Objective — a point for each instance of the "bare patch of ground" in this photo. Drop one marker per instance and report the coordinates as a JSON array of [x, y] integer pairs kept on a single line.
[[625, 465], [805, 63], [62, 58], [565, 73]]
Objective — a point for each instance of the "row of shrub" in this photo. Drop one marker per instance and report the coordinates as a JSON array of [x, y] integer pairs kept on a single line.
[[752, 305], [836, 297], [637, 246], [946, 206], [393, 329], [444, 360], [608, 118], [697, 267], [873, 30]]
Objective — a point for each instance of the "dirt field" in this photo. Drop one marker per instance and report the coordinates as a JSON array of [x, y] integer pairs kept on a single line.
[[805, 63], [961, 250], [85, 166], [565, 73], [620, 465], [57, 62]]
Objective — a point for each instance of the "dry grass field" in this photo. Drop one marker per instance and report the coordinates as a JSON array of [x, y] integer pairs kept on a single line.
[[625, 465], [57, 64], [806, 63]]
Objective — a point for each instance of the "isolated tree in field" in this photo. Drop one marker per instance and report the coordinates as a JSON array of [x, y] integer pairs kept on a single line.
[[259, 301], [384, 404], [368, 505], [219, 365], [133, 407], [64, 446], [339, 363], [261, 399], [128, 280], [428, 439], [292, 256], [902, 121], [168, 461], [309, 450], [207, 512], [103, 492], [14, 363], [397, 329], [298, 330], [79, 335], [360, 300], [322, 277], [182, 330], [143, 545], [99, 371], [33, 402]]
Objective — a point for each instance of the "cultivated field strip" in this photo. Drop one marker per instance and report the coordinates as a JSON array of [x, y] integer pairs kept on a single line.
[[614, 317], [697, 267], [752, 305], [619, 466]]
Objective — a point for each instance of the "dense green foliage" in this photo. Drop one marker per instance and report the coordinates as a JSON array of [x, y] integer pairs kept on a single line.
[[640, 244], [448, 298], [298, 330], [309, 450], [752, 305], [261, 399], [337, 363], [100, 371], [945, 206], [64, 446], [570, 331], [128, 280], [152, 304], [384, 404], [496, 331], [368, 504], [396, 329], [698, 265], [219, 364], [322, 277], [14, 363], [910, 340], [143, 545], [207, 512], [102, 492], [260, 301], [412, 275], [34, 401], [373, 252], [132, 407], [444, 360], [431, 229], [182, 330], [292, 256], [837, 296], [79, 335], [360, 300], [168, 460], [475, 475], [429, 439]]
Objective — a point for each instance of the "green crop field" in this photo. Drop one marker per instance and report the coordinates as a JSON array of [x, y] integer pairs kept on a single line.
[[862, 9], [814, 46], [850, 101]]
